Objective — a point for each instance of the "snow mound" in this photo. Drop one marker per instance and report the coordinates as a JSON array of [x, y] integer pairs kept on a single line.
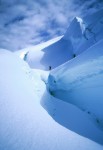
[[79, 82], [24, 124], [43, 56]]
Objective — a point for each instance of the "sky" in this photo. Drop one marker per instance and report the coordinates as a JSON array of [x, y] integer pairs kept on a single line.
[[25, 23]]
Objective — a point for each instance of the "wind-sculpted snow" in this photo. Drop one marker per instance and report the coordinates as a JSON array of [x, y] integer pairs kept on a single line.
[[81, 34], [24, 124], [75, 32], [75, 85], [81, 86], [93, 31]]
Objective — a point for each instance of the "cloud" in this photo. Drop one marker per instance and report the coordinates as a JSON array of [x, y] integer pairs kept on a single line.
[[28, 22]]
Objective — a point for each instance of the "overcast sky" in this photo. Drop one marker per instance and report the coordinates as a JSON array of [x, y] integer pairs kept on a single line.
[[27, 22]]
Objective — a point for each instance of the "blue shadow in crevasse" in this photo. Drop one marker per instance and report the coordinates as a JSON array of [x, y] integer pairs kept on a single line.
[[72, 118]]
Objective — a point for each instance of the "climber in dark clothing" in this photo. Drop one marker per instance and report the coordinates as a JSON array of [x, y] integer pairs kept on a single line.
[[49, 67], [74, 55]]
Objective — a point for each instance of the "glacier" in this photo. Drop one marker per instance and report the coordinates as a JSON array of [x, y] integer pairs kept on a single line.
[[79, 81], [24, 123], [59, 108]]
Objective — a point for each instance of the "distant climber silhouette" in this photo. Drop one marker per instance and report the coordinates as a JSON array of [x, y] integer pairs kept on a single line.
[[74, 55], [49, 67], [25, 56]]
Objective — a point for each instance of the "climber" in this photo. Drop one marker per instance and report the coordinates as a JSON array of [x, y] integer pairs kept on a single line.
[[74, 55], [49, 67]]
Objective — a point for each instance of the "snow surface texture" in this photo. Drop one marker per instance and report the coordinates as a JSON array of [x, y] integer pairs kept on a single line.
[[74, 87], [79, 81], [24, 124], [82, 86], [83, 40]]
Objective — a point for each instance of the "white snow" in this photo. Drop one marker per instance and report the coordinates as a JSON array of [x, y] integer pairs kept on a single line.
[[81, 84], [24, 124], [80, 35], [52, 55], [74, 33], [59, 109]]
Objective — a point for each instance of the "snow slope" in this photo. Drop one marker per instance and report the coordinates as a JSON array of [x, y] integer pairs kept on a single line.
[[79, 82], [74, 87], [85, 32], [93, 32], [24, 124], [53, 55], [80, 35]]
